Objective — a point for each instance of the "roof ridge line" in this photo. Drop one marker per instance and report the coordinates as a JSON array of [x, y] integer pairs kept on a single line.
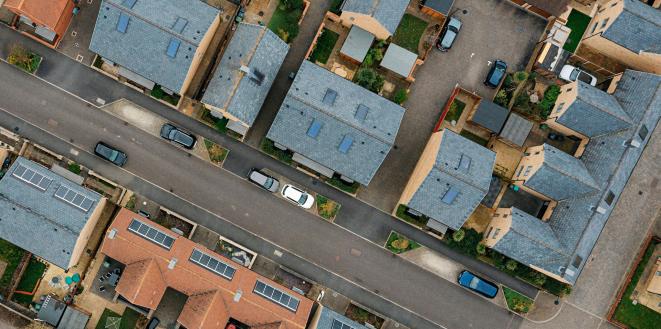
[[30, 210]]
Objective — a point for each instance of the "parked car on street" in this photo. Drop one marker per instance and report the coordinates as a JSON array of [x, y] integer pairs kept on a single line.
[[263, 180], [449, 34], [110, 153], [297, 196], [475, 283], [571, 73], [176, 135], [496, 74]]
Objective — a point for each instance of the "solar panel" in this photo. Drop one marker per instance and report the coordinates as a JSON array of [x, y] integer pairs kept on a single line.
[[337, 324], [129, 3], [180, 24], [122, 22], [314, 129], [450, 195], [212, 264], [151, 234], [346, 143], [361, 112], [173, 47], [74, 198], [329, 97], [276, 295], [32, 177]]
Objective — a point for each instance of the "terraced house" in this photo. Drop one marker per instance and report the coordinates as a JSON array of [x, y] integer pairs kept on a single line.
[[581, 188], [335, 127], [153, 43]]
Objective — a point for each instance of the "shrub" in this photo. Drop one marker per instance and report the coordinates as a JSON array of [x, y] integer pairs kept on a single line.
[[400, 96], [457, 236], [157, 92], [23, 58], [511, 264], [369, 79], [546, 104], [481, 249], [74, 168], [521, 76], [501, 98]]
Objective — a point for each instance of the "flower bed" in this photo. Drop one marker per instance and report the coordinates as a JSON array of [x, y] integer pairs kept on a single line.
[[516, 301], [327, 208], [398, 243], [24, 59]]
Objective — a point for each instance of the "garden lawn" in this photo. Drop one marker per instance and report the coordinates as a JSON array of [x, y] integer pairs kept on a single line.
[[284, 22], [517, 302], [577, 22], [324, 46], [398, 243], [29, 281], [128, 319], [409, 32], [11, 255], [637, 316], [454, 113]]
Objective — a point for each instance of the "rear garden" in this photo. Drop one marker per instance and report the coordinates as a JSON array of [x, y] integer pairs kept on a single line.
[[577, 22], [528, 95], [26, 287], [285, 19], [409, 32], [10, 258], [324, 47], [110, 319]]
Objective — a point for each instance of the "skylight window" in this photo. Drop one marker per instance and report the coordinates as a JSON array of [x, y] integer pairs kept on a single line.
[[122, 22], [329, 97], [450, 195], [179, 24], [346, 143], [361, 112], [465, 163], [314, 129], [173, 47]]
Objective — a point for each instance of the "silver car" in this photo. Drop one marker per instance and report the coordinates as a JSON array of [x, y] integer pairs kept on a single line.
[[263, 180]]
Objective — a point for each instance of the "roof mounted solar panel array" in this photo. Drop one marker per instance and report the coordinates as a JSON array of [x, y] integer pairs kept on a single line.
[[32, 177], [74, 198], [151, 234], [337, 324], [277, 296], [212, 264]]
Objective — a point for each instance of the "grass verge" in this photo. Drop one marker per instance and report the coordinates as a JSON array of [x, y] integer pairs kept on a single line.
[[217, 154], [516, 301], [327, 208], [409, 32], [398, 243]]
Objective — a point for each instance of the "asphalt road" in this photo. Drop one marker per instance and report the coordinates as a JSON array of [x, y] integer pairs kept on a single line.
[[201, 190]]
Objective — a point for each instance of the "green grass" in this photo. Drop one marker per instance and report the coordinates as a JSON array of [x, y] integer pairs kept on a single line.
[[577, 22], [284, 22], [516, 301], [409, 32], [342, 185], [268, 147], [398, 243], [474, 138], [159, 93], [29, 281], [219, 124], [324, 47], [24, 59], [74, 168], [335, 6], [454, 113], [12, 255], [637, 316], [327, 208], [128, 319], [217, 153], [401, 213], [102, 320]]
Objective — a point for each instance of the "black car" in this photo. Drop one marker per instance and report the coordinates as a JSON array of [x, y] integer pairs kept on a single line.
[[178, 136], [110, 153], [496, 74], [153, 323]]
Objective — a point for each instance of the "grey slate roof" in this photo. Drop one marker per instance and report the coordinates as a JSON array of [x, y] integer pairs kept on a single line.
[[357, 43], [399, 60], [472, 184], [561, 176], [490, 115], [594, 112], [388, 12], [142, 48], [636, 28], [327, 316], [575, 221], [263, 52], [516, 129], [73, 319], [51, 311], [36, 220], [373, 137], [441, 6]]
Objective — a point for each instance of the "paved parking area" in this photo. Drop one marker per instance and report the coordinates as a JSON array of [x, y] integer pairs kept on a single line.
[[76, 41], [491, 29]]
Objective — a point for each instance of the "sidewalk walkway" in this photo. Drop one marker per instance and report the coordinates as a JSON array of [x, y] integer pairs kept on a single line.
[[355, 216]]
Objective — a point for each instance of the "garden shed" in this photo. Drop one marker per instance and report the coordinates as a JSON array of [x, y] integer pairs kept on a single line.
[[399, 60], [516, 130], [489, 115], [357, 44]]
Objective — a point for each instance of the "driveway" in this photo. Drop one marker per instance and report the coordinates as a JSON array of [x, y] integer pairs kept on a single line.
[[491, 29]]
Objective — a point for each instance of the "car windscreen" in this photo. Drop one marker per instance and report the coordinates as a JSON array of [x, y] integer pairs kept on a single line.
[[303, 198], [182, 138], [268, 183], [573, 75], [585, 77], [448, 38]]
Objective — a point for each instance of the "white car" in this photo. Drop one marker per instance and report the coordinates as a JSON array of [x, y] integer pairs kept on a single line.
[[571, 73], [297, 196]]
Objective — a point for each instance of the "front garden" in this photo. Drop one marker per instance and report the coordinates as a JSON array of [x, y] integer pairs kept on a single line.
[[454, 113], [338, 183], [23, 58], [409, 32], [324, 47], [403, 214], [269, 148], [285, 19], [158, 93], [635, 315], [217, 154], [516, 301], [363, 316]]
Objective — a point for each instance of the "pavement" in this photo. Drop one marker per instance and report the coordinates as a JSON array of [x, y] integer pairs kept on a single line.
[[340, 260], [491, 29]]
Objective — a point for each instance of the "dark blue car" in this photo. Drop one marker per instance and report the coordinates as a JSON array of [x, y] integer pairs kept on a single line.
[[496, 73], [481, 286]]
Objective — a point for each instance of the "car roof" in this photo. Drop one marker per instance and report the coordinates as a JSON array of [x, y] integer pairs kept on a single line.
[[258, 177], [293, 191]]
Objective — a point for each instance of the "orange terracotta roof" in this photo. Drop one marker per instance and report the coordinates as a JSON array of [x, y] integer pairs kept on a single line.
[[212, 298], [43, 12]]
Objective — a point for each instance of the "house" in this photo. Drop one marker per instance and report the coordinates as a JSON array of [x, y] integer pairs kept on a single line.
[[334, 126], [245, 75], [584, 190], [437, 8], [400, 60], [627, 31], [325, 318], [44, 21], [157, 259], [449, 181], [46, 214], [154, 42], [379, 17], [357, 44], [544, 8]]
